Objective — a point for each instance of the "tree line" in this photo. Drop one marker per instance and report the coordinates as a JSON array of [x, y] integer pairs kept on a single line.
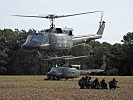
[[13, 61]]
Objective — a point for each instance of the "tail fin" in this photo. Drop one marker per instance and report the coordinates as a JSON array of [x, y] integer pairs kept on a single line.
[[103, 67], [101, 28]]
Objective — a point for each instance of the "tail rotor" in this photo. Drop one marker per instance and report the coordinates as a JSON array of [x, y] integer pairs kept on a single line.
[[101, 19]]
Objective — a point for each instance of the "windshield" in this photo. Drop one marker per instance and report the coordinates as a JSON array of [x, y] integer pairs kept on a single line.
[[46, 39], [53, 69], [58, 69], [28, 38], [37, 37]]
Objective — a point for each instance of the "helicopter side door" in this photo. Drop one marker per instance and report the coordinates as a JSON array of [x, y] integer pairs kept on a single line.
[[74, 72], [64, 41]]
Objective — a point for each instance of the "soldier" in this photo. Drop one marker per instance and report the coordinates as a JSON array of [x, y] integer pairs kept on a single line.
[[86, 77], [87, 82], [81, 83], [103, 84], [113, 84], [89, 79], [96, 84]]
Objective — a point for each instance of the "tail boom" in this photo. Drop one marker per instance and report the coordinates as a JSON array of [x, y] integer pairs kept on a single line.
[[87, 38]]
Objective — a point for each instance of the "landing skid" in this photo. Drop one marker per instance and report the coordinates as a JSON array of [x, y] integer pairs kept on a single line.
[[56, 55], [65, 57], [48, 54]]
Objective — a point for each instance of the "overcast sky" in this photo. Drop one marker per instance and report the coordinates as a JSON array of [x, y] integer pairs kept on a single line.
[[118, 15]]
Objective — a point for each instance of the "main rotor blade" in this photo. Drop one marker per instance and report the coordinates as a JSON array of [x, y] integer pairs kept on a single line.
[[78, 14], [52, 16], [30, 16]]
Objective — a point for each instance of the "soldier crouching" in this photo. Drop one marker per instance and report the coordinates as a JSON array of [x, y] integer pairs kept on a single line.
[[113, 84], [81, 83], [103, 84], [84, 82]]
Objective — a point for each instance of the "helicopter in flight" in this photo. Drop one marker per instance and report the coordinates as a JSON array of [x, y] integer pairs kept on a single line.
[[54, 41]]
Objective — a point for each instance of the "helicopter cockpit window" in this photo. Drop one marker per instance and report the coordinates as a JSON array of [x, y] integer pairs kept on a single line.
[[46, 39], [54, 30], [53, 69], [37, 37], [58, 30], [28, 38], [60, 70], [70, 33]]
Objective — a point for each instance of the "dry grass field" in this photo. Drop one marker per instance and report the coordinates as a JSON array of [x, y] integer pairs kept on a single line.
[[35, 88]]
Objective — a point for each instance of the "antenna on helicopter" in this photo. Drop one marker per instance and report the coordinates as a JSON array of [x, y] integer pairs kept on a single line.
[[52, 17]]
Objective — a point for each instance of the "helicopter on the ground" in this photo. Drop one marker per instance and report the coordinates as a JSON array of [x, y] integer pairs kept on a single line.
[[68, 71], [58, 40]]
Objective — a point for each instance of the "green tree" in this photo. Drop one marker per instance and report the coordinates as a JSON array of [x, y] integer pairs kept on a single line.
[[127, 54], [96, 58]]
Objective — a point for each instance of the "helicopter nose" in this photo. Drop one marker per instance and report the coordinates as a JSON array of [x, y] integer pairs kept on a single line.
[[51, 73], [33, 46], [54, 74], [29, 46]]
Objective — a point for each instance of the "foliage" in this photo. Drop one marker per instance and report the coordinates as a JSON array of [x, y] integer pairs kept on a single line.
[[112, 72]]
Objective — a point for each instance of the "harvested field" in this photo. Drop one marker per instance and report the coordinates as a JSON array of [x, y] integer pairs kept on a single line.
[[35, 88]]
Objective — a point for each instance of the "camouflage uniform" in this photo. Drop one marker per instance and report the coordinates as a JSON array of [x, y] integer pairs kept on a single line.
[[96, 84], [113, 84], [103, 84], [81, 83]]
